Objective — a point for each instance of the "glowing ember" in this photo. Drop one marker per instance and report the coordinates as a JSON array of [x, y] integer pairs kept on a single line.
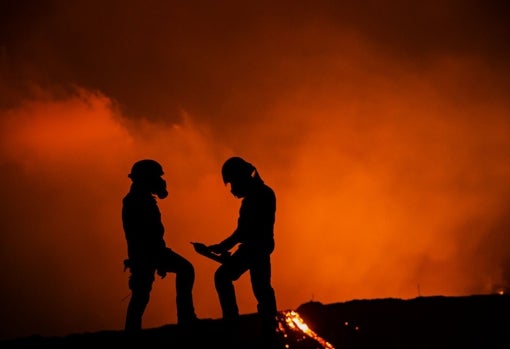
[[291, 321]]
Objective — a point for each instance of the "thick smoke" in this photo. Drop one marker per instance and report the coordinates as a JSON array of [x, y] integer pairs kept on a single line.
[[385, 137]]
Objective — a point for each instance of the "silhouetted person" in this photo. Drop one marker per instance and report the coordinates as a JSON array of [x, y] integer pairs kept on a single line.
[[255, 241], [147, 251]]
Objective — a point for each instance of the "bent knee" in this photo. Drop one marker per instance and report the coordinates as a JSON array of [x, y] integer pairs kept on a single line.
[[220, 274], [188, 268], [223, 275]]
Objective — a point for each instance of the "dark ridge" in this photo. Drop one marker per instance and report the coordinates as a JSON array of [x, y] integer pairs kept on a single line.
[[477, 321]]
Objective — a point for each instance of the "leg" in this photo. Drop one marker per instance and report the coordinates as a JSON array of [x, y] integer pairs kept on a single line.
[[140, 284], [224, 278], [184, 280], [226, 293], [260, 275]]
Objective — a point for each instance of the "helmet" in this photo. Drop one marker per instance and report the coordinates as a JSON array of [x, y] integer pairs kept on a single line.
[[234, 168], [146, 168]]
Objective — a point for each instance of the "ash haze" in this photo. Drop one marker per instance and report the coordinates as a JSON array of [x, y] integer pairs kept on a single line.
[[384, 130]]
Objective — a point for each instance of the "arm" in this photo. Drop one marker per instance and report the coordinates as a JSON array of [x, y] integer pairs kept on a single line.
[[226, 244]]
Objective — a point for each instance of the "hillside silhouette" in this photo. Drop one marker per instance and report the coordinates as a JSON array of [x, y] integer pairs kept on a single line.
[[477, 321]]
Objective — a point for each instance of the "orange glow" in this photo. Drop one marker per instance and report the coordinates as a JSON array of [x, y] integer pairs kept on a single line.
[[295, 323], [386, 141], [349, 220]]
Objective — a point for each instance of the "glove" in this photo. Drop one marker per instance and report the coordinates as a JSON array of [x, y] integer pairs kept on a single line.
[[200, 247], [218, 249], [161, 273]]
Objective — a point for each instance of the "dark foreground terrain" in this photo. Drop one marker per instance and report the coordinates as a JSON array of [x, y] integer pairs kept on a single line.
[[478, 321]]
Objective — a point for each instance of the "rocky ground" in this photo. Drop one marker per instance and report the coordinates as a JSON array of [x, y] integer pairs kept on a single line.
[[478, 321]]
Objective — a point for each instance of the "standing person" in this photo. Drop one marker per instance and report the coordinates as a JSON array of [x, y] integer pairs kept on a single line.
[[254, 237], [147, 250]]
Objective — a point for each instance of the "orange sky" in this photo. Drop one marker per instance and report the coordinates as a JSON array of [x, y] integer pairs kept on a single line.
[[384, 131]]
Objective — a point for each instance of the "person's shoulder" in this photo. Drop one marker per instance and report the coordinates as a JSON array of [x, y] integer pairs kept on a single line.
[[267, 190]]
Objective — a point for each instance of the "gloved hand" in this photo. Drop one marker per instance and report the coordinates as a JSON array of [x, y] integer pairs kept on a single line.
[[161, 272], [200, 247], [217, 248]]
